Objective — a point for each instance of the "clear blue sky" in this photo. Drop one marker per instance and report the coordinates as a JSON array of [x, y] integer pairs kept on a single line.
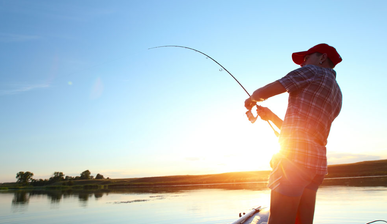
[[79, 88]]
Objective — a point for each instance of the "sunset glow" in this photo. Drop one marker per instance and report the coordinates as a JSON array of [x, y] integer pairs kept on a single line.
[[80, 90]]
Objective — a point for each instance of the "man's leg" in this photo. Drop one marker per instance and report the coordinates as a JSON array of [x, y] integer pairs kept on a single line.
[[306, 207], [293, 193], [283, 209]]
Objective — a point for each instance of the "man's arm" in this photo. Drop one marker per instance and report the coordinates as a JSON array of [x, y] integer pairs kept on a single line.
[[268, 91], [263, 93]]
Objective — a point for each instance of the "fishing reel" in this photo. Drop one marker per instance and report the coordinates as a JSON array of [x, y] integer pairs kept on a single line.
[[251, 117]]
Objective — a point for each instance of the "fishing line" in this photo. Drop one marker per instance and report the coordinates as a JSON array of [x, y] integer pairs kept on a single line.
[[377, 221], [207, 57], [248, 113]]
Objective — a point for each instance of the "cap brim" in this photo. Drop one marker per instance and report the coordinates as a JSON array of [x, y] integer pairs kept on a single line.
[[298, 57]]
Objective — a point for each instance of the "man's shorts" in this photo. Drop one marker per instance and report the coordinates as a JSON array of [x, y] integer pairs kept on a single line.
[[290, 179]]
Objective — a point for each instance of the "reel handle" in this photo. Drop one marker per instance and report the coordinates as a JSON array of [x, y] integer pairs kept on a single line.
[[251, 117]]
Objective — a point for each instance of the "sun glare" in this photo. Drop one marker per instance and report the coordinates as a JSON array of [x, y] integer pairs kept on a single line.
[[232, 147]]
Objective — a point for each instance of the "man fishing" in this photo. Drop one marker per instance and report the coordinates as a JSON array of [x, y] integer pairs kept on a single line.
[[315, 100]]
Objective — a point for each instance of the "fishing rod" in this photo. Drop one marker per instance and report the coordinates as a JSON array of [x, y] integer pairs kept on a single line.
[[250, 116]]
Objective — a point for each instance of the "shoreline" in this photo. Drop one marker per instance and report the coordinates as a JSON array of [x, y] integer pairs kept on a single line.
[[360, 181], [368, 173]]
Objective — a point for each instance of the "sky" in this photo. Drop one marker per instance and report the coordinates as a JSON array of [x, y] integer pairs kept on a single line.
[[81, 90]]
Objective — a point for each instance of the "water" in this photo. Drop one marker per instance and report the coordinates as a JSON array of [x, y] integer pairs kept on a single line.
[[338, 204]]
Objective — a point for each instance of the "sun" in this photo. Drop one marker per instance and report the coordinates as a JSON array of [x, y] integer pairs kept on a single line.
[[252, 158], [232, 146]]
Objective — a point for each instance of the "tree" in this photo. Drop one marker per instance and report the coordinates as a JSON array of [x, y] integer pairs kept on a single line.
[[57, 176], [99, 176], [39, 182], [85, 174], [24, 177]]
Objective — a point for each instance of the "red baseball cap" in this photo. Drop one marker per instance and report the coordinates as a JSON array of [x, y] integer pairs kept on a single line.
[[298, 57]]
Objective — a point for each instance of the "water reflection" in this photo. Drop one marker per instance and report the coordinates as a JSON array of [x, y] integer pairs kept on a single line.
[[183, 204], [83, 197], [22, 197], [55, 197], [98, 195]]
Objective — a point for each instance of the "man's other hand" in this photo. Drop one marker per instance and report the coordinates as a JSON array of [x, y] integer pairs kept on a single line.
[[249, 104]]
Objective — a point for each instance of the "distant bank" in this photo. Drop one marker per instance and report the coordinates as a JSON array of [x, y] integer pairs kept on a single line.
[[367, 173]]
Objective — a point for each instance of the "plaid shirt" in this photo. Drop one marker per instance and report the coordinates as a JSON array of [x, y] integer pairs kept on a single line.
[[314, 102]]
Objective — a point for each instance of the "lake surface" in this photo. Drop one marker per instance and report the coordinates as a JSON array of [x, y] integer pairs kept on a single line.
[[339, 204]]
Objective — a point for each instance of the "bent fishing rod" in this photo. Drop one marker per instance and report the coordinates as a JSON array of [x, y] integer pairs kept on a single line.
[[250, 116]]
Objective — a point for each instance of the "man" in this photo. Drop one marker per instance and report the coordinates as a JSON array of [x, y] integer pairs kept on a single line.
[[314, 102]]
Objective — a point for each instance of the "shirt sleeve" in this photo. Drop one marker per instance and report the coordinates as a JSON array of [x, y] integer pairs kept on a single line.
[[298, 79]]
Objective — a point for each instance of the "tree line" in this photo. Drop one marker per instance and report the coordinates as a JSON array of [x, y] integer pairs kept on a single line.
[[26, 178]]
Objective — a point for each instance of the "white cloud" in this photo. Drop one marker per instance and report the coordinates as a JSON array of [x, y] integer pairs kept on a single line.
[[22, 88], [342, 158], [7, 37]]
